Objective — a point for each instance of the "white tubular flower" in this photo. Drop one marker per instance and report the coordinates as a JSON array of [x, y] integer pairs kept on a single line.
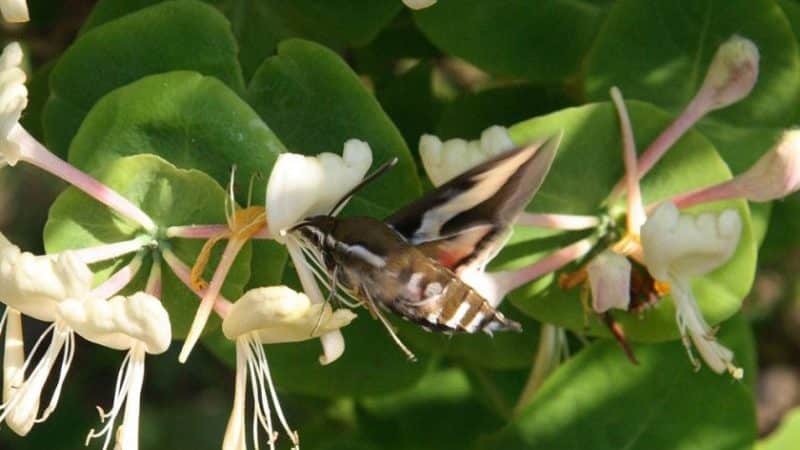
[[138, 324], [35, 285], [419, 4], [610, 281], [302, 186], [445, 160], [13, 100], [14, 11], [678, 247], [776, 174], [732, 74], [266, 316]]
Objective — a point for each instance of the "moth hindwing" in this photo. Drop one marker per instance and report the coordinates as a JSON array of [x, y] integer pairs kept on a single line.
[[413, 263]]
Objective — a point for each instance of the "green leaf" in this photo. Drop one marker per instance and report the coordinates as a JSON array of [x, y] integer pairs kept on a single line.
[[108, 10], [674, 42], [469, 115], [175, 35], [260, 25], [591, 155], [310, 117], [518, 38], [171, 196], [786, 436], [191, 120], [599, 400]]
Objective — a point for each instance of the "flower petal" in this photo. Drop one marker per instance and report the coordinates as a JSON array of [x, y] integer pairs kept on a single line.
[[610, 281], [14, 10], [445, 160]]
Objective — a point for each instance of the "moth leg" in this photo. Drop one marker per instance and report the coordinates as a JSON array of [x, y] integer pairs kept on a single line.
[[375, 311], [331, 295]]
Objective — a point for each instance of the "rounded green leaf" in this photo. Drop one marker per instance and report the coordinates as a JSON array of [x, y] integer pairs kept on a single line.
[[172, 197], [786, 436], [591, 155], [174, 35], [660, 51], [515, 37], [598, 400], [191, 120], [311, 116]]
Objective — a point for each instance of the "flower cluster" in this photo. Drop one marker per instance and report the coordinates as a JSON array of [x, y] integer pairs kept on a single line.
[[672, 246]]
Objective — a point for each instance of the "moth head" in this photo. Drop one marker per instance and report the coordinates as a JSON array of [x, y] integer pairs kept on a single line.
[[314, 230]]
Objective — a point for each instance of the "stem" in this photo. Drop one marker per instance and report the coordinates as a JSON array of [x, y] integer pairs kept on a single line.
[[207, 301], [209, 231], [100, 253], [119, 280], [696, 109], [182, 271], [636, 215], [557, 221], [35, 153], [512, 279], [721, 191]]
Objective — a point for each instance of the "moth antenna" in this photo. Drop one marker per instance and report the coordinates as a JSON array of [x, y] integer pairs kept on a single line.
[[374, 308], [369, 178]]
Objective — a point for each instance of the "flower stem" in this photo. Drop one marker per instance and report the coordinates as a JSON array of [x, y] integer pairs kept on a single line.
[[721, 191], [557, 221], [119, 280], [35, 153], [182, 271], [512, 279], [100, 253], [636, 215], [207, 301], [209, 231]]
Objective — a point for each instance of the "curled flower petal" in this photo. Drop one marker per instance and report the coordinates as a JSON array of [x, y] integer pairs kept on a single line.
[[732, 74], [610, 281], [419, 4], [278, 314], [34, 285], [682, 245], [13, 100], [120, 322], [302, 186], [445, 160], [14, 10]]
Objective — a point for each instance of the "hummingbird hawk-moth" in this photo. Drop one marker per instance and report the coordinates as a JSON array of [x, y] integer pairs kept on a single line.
[[412, 262]]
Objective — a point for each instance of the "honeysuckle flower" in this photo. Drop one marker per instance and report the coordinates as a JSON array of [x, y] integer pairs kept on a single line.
[[290, 198], [419, 4], [13, 100], [775, 175], [269, 315], [679, 247], [444, 160], [14, 10], [138, 324]]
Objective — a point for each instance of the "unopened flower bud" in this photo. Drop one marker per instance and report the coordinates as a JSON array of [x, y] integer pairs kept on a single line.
[[776, 174], [732, 74], [419, 4]]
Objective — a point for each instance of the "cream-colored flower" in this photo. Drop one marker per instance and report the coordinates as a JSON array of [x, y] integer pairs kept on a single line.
[[35, 286], [776, 174], [678, 247], [610, 281], [303, 186], [732, 74], [269, 315], [14, 10], [443, 161], [138, 324], [13, 100]]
